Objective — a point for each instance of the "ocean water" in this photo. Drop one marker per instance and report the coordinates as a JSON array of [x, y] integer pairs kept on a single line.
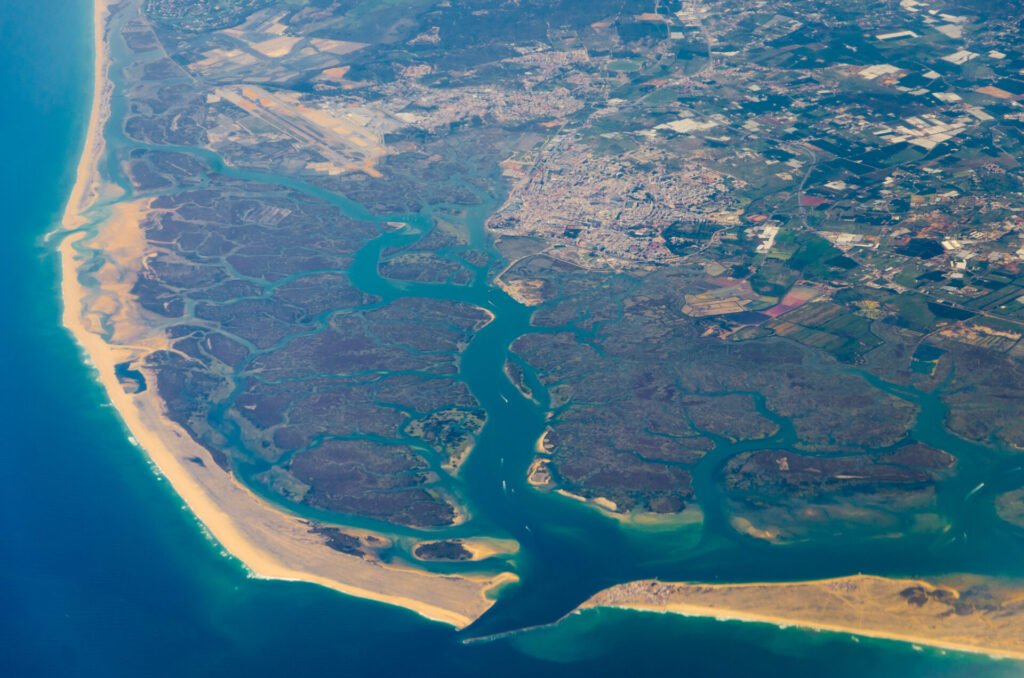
[[102, 571]]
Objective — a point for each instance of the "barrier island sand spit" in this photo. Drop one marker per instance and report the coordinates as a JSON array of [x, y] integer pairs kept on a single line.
[[111, 329], [980, 615], [85, 192]]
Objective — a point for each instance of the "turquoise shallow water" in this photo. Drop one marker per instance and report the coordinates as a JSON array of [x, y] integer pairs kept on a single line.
[[104, 574]]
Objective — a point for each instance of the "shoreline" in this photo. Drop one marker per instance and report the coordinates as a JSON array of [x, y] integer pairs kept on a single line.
[[85, 190], [268, 542], [859, 605], [275, 545], [643, 520]]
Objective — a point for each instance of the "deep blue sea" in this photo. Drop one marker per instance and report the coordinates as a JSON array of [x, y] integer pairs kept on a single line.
[[102, 572]]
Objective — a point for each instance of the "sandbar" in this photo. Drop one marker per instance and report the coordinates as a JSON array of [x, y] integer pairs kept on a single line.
[[964, 613], [692, 515]]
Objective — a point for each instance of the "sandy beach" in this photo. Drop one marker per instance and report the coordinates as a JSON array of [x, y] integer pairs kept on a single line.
[[268, 541], [85, 192], [971, 614]]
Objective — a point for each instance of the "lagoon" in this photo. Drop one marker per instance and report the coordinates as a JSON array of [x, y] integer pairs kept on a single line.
[[105, 574]]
